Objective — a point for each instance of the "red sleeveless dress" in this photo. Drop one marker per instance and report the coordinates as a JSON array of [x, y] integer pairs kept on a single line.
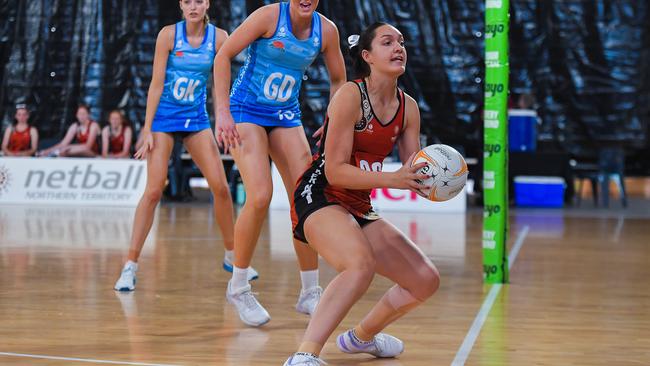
[[373, 142]]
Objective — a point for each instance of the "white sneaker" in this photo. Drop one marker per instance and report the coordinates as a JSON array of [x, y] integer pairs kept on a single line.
[[304, 359], [252, 273], [126, 282], [308, 300], [250, 310], [383, 345]]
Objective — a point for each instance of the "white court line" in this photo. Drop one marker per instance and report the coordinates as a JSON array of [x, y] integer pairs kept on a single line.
[[518, 243], [475, 329], [81, 359]]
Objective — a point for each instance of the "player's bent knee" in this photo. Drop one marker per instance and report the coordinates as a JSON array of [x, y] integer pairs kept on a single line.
[[221, 191], [364, 267], [152, 196], [260, 200], [428, 283]]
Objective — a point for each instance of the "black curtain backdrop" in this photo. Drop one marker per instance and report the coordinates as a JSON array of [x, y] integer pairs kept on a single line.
[[585, 62]]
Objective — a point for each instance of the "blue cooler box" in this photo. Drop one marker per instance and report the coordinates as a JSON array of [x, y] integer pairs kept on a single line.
[[522, 130], [539, 191]]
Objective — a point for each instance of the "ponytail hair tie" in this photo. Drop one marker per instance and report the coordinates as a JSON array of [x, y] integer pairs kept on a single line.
[[353, 40]]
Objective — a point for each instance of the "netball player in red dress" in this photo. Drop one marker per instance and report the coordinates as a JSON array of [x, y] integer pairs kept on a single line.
[[117, 136], [20, 139], [81, 138], [332, 210]]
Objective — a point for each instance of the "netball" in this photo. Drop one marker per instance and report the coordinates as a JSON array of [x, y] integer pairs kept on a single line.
[[447, 170]]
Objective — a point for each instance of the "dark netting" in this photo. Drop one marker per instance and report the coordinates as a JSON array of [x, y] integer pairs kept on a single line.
[[584, 61], [62, 53]]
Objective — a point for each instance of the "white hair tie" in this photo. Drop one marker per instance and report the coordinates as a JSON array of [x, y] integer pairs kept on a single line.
[[353, 40]]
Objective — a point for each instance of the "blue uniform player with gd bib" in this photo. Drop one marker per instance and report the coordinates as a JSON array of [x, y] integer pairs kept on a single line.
[[266, 91], [262, 118], [183, 58]]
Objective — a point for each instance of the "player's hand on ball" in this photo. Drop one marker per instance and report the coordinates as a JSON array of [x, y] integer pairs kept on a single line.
[[407, 177]]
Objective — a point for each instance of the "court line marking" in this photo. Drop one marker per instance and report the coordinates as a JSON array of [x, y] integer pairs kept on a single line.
[[82, 359], [475, 329]]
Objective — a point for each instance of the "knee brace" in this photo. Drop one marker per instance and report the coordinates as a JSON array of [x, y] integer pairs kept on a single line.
[[401, 299]]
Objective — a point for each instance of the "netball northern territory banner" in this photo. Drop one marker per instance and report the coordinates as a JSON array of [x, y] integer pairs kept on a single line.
[[72, 181], [495, 151]]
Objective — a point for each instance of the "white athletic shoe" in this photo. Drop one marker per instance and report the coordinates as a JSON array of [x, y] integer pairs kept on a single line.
[[252, 273], [383, 345], [304, 359], [308, 300], [250, 310], [126, 282]]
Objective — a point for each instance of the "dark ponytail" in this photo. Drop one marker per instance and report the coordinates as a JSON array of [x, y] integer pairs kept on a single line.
[[359, 65]]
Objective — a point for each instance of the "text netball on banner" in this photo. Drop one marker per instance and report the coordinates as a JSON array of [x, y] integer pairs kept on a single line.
[[101, 182]]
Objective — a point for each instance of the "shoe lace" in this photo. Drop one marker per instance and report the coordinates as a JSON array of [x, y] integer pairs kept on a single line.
[[128, 270], [309, 360], [379, 344], [313, 293], [314, 362], [249, 300]]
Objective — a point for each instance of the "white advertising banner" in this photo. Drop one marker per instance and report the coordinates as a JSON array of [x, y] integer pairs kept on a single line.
[[384, 199], [72, 181]]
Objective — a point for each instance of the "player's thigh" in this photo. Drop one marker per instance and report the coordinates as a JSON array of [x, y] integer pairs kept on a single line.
[[252, 159], [290, 152], [337, 237], [203, 149], [158, 160]]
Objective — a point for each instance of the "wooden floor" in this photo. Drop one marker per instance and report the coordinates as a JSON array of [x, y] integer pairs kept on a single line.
[[579, 291]]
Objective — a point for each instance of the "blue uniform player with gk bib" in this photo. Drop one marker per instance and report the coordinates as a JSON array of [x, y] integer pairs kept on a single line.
[[262, 118], [182, 103], [184, 56]]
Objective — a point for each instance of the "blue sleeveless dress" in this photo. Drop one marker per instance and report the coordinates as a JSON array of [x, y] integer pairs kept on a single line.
[[266, 90], [182, 103]]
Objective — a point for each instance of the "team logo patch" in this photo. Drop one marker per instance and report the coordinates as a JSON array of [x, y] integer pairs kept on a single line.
[[278, 45], [361, 125], [179, 53]]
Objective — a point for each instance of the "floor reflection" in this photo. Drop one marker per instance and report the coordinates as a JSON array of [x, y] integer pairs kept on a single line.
[[438, 235]]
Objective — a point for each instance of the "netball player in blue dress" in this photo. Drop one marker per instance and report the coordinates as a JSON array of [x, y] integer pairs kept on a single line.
[[262, 118], [176, 109]]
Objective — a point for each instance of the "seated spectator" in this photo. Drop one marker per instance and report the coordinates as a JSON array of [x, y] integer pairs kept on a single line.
[[20, 139], [116, 136], [83, 133]]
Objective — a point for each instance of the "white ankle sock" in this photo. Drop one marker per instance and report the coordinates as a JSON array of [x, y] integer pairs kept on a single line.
[[239, 278], [309, 279], [131, 263], [229, 256]]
